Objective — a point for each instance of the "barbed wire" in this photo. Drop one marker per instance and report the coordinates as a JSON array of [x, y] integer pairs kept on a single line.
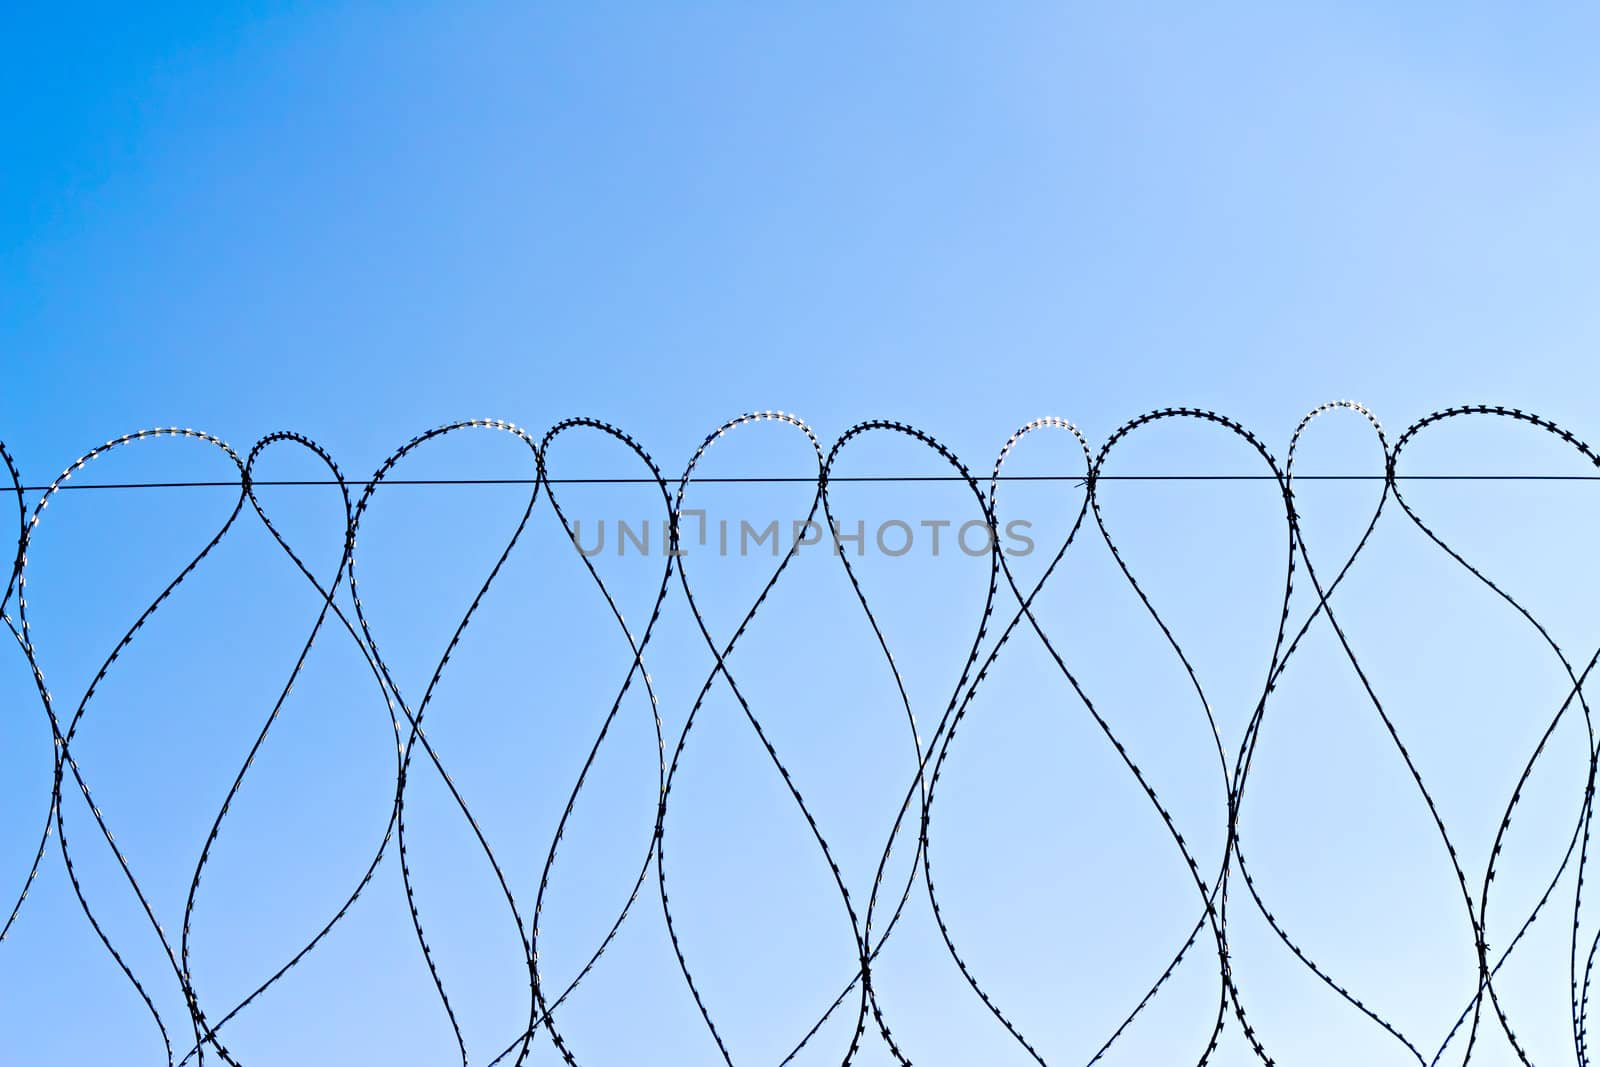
[[864, 925]]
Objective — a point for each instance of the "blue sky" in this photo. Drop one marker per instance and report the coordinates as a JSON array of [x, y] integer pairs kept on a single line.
[[361, 221]]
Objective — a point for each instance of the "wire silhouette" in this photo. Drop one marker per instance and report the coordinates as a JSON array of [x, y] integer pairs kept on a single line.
[[1222, 884]]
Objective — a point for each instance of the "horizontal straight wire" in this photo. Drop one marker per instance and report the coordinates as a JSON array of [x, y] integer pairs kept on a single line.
[[811, 479]]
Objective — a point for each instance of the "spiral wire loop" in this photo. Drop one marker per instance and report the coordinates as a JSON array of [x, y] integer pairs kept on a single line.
[[1222, 884]]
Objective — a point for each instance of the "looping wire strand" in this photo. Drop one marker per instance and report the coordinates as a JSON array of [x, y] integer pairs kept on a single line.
[[1009, 615]]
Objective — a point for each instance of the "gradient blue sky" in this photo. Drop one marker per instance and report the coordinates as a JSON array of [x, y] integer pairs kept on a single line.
[[363, 220]]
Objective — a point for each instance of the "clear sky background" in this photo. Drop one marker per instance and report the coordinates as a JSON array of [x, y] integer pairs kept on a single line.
[[361, 221]]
